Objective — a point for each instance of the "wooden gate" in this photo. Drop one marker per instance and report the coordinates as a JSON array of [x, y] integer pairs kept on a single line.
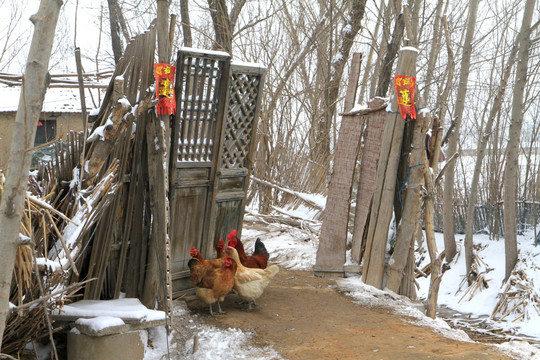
[[238, 148], [201, 92], [212, 150]]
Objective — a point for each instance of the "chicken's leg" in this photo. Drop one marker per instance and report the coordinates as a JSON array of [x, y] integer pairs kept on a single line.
[[219, 307]]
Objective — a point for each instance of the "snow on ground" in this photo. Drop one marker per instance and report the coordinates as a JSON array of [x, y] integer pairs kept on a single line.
[[453, 290], [296, 249]]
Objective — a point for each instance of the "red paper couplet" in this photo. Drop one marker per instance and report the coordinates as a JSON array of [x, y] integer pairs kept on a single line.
[[164, 74], [405, 95]]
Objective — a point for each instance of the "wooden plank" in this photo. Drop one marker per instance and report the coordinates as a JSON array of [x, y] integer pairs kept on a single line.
[[408, 226], [333, 238], [383, 199], [368, 174]]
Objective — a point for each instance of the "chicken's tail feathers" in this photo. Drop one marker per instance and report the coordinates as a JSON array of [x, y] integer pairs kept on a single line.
[[259, 247], [272, 270]]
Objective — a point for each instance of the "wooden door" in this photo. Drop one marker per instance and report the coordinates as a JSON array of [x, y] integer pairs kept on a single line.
[[238, 147], [201, 92]]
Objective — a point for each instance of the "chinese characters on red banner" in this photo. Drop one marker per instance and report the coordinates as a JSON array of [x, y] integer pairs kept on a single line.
[[164, 74], [405, 95]]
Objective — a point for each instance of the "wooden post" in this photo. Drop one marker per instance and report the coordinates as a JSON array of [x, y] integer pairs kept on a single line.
[[158, 279], [383, 199], [333, 239]]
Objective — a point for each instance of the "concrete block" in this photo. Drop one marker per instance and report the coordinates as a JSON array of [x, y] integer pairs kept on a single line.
[[108, 347]]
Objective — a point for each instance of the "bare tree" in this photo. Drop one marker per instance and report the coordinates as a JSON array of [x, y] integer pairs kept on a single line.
[[224, 23], [481, 150], [115, 20], [511, 168], [321, 145], [33, 90], [186, 23], [448, 197]]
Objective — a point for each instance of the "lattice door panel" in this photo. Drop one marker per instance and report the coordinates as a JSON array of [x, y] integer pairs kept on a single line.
[[238, 146], [198, 79], [243, 95]]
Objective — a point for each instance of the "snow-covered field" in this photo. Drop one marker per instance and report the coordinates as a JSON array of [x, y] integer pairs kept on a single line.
[[296, 249]]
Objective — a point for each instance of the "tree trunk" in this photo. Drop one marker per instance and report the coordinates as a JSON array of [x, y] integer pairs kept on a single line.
[[115, 30], [223, 23], [322, 135], [434, 51], [385, 76], [448, 196], [33, 90], [511, 168], [186, 23]]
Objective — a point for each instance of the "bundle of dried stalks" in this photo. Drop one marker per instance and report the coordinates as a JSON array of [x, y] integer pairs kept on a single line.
[[476, 279], [27, 324], [520, 297]]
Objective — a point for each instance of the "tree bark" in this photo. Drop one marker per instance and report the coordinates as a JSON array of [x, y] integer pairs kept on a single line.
[[186, 23], [448, 196], [433, 52], [385, 76], [223, 26], [33, 90], [511, 168], [115, 30]]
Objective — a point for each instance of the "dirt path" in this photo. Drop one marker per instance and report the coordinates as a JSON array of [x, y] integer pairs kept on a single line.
[[305, 317]]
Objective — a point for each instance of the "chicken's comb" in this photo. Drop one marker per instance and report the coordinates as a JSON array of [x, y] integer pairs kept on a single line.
[[228, 261], [232, 242], [220, 243], [193, 251], [232, 234]]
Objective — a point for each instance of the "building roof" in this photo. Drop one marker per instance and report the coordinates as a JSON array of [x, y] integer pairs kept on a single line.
[[65, 100]]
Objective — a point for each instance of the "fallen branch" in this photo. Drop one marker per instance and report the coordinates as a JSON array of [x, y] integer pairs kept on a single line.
[[287, 220], [288, 191]]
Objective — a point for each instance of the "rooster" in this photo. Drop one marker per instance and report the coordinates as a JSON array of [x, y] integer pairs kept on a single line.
[[260, 256], [250, 283], [212, 283]]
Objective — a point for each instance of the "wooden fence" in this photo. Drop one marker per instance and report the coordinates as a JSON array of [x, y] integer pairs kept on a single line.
[[489, 219]]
